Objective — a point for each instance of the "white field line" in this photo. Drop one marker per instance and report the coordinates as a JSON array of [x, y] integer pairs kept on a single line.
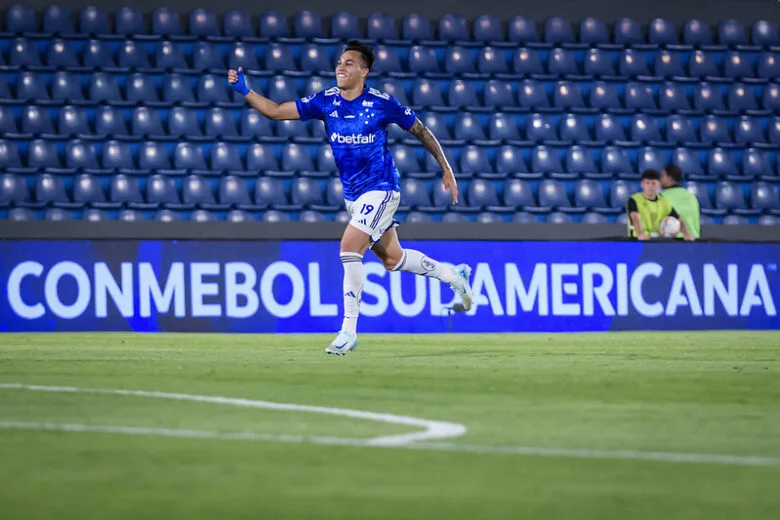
[[434, 430]]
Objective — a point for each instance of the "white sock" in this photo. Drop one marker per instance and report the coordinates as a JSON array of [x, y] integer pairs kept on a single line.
[[353, 289], [415, 262]]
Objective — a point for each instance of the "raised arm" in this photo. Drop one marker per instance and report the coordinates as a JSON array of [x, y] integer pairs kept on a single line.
[[271, 110], [431, 144]]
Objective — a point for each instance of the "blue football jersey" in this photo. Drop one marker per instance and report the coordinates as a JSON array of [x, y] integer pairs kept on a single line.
[[357, 131]]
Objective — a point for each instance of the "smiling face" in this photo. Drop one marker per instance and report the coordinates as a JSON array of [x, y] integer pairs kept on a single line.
[[350, 70]]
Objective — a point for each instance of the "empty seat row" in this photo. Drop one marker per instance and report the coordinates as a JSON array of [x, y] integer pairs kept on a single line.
[[344, 25]]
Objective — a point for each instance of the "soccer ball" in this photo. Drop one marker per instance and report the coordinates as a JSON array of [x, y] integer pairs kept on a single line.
[[669, 227]]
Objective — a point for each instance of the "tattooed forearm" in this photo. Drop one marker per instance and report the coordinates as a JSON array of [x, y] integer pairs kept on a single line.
[[431, 144]]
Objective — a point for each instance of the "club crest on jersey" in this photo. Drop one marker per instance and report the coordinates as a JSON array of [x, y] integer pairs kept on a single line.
[[369, 104], [335, 137], [427, 264]]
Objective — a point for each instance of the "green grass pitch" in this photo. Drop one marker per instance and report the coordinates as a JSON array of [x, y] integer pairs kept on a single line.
[[708, 403]]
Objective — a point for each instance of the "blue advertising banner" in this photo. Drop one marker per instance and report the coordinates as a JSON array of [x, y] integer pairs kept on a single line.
[[295, 286]]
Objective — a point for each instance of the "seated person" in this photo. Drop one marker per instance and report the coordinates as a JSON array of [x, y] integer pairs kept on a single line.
[[648, 208]]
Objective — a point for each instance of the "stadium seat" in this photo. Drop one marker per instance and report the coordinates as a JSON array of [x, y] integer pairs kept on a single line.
[[510, 160], [203, 23], [140, 89], [87, 190], [7, 121], [768, 65], [457, 60], [103, 88], [720, 163], [755, 163], [394, 88], [325, 160], [276, 216], [604, 96], [117, 155], [771, 98], [306, 192], [50, 189], [687, 161], [769, 220], [109, 121], [672, 97], [58, 214], [31, 86], [539, 128], [503, 127], [21, 19], [206, 56], [614, 159], [195, 190], [23, 53], [562, 62], [580, 160], [36, 120], [125, 189], [703, 64], [680, 129], [169, 55], [202, 215], [176, 89], [65, 86], [748, 130], [414, 193], [381, 26], [9, 155], [765, 34], [238, 215], [474, 159], [527, 62], [764, 196], [453, 28], [233, 191], [714, 129], [594, 218], [737, 66], [650, 159], [242, 55], [741, 98], [662, 32], [405, 159], [567, 94], [270, 191], [708, 98], [188, 156], [619, 193], [161, 190], [697, 32], [80, 155], [545, 160], [644, 128], [639, 96], [558, 31], [295, 157], [291, 129], [609, 129], [237, 24], [225, 157], [153, 156], [21, 214], [518, 194], [13, 189], [426, 93], [166, 22], [467, 126], [219, 122], [774, 131], [314, 58], [308, 24], [732, 33], [416, 27], [488, 29], [97, 54], [699, 191], [522, 30], [499, 94], [146, 121], [598, 63], [423, 59], [132, 55], [556, 217], [628, 32], [462, 93], [254, 125], [62, 54], [334, 192], [593, 31], [260, 158], [387, 60], [633, 63], [210, 90], [729, 196], [274, 24], [532, 94], [669, 64]]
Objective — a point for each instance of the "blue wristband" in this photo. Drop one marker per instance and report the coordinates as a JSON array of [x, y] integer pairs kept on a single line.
[[240, 86]]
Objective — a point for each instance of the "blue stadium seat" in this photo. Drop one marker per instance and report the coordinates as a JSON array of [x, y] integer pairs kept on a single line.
[[334, 192], [261, 158], [153, 156], [620, 191], [458, 60], [714, 129], [9, 155], [423, 59], [453, 28], [668, 64], [276, 216], [117, 155], [308, 24], [662, 32], [532, 94], [414, 193], [557, 30], [522, 30], [527, 62], [680, 129], [210, 90], [768, 65], [594, 218], [233, 191], [553, 193], [50, 188], [518, 193], [731, 220], [574, 128], [580, 160], [254, 125], [633, 63], [492, 61], [103, 88], [703, 64], [242, 55], [720, 163], [539, 127], [97, 54], [7, 121], [430, 164], [315, 58], [239, 215], [672, 97], [394, 88], [755, 163], [87, 190], [188, 156], [203, 23], [741, 97], [764, 220], [765, 34], [736, 65], [206, 56], [125, 189], [639, 96], [503, 127], [729, 196], [57, 20], [687, 161], [415, 216], [488, 29], [161, 190], [325, 160], [545, 160], [295, 157], [176, 89], [195, 190], [166, 21], [23, 53], [132, 54], [270, 191], [732, 33], [604, 96], [764, 196], [771, 98], [416, 27], [169, 55], [649, 158], [499, 94], [167, 215], [567, 94], [65, 86], [237, 24], [405, 159], [467, 126], [614, 159], [291, 129], [608, 128], [474, 159], [274, 24], [306, 192], [598, 63], [748, 130], [381, 26], [510, 160], [36, 120], [426, 93], [588, 194], [225, 157], [109, 121], [645, 128], [386, 60], [699, 191], [628, 32], [561, 62], [13, 189], [697, 32], [482, 193], [30, 86], [21, 19], [593, 31], [140, 88], [94, 20], [146, 121], [311, 216], [774, 131], [80, 155], [219, 122], [58, 214], [62, 54], [523, 217]]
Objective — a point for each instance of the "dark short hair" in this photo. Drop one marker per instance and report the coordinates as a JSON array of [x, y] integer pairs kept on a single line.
[[674, 172], [366, 52], [652, 175]]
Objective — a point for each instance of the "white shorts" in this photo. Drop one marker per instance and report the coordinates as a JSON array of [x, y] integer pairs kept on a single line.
[[373, 212]]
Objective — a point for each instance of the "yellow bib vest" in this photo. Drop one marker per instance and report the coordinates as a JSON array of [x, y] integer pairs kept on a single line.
[[651, 213]]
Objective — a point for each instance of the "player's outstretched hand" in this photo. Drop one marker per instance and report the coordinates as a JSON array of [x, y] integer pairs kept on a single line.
[[237, 81], [451, 185]]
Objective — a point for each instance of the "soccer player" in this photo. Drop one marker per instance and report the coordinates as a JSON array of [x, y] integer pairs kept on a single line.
[[648, 208], [356, 119]]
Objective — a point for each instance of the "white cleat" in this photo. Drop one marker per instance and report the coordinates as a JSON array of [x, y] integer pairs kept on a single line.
[[462, 287], [343, 343]]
